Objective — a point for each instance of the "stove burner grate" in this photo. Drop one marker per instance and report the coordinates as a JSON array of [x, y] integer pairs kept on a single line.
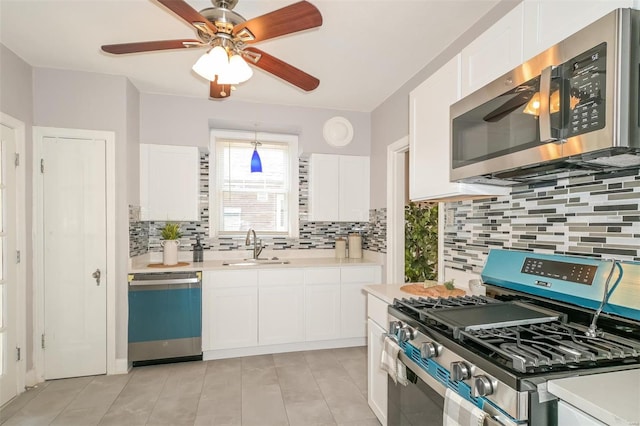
[[536, 346]]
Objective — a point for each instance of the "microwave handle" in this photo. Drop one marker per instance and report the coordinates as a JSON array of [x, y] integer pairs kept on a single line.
[[544, 120]]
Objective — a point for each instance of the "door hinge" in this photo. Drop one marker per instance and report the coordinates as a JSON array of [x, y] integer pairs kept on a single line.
[[42, 165], [42, 341], [16, 161], [18, 357], [17, 256]]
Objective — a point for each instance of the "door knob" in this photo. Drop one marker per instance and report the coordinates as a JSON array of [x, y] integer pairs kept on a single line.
[[96, 275]]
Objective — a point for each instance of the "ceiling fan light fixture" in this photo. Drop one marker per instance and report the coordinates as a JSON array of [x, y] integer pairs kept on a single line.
[[215, 62], [238, 67]]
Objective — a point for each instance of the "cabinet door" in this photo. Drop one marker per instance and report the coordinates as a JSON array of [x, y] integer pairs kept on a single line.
[[338, 188], [547, 23], [324, 184], [377, 378], [322, 304], [169, 182], [229, 317], [429, 139], [429, 155], [281, 314], [354, 188], [353, 300], [495, 52]]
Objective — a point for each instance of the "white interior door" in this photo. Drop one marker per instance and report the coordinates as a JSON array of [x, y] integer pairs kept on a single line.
[[8, 273], [75, 239]]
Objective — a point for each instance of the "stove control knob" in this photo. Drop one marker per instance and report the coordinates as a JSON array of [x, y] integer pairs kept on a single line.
[[429, 350], [402, 335], [411, 332], [459, 371], [394, 326], [482, 386]]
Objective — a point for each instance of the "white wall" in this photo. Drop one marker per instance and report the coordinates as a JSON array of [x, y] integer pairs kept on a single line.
[[175, 120], [16, 100], [82, 100]]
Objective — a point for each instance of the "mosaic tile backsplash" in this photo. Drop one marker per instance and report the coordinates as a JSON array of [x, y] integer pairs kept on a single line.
[[144, 236], [595, 216]]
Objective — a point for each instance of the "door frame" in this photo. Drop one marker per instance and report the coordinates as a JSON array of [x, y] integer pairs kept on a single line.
[[21, 237], [395, 209], [39, 133]]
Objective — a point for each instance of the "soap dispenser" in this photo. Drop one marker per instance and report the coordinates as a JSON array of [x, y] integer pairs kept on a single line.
[[197, 250]]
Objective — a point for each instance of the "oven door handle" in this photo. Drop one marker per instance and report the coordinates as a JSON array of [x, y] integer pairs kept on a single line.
[[422, 375]]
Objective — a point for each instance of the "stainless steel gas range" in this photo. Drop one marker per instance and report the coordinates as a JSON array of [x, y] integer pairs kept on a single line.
[[545, 317]]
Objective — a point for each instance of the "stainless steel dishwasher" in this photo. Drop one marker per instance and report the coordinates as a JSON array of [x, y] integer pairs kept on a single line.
[[165, 317]]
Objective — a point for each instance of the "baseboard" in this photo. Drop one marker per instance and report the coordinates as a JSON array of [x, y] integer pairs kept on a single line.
[[123, 366], [32, 378], [289, 347]]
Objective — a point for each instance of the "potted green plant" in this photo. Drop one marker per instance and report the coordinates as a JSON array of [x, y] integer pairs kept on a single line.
[[170, 233], [421, 242]]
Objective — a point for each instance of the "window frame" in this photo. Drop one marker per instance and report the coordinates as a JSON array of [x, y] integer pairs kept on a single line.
[[215, 208]]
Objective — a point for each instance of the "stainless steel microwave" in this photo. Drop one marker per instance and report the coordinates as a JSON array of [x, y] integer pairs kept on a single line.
[[571, 110]]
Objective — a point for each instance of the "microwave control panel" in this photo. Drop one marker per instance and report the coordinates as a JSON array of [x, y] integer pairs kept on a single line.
[[586, 75]]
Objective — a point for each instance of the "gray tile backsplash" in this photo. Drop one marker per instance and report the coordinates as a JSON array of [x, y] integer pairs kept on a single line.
[[144, 236], [595, 216]]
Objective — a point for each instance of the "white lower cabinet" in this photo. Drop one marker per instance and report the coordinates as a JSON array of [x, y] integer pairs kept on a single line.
[[353, 300], [322, 304], [229, 310], [377, 383], [280, 306], [377, 378], [244, 310]]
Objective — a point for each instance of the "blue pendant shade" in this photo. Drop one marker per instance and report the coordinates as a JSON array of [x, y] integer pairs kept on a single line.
[[256, 164]]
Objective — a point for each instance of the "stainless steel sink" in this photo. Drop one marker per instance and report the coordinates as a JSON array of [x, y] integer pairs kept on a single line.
[[256, 262]]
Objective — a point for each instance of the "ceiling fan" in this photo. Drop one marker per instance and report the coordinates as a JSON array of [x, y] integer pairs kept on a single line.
[[224, 31]]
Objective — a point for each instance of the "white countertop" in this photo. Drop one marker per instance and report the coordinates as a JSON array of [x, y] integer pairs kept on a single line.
[[387, 292], [140, 264], [612, 398]]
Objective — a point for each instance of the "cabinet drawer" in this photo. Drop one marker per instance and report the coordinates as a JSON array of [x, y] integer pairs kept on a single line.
[[233, 278], [377, 311], [322, 276], [271, 277], [360, 274]]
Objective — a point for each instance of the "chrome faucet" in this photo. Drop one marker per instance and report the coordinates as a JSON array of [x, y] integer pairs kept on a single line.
[[257, 244]]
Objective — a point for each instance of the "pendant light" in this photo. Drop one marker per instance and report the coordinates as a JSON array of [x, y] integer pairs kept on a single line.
[[256, 163]]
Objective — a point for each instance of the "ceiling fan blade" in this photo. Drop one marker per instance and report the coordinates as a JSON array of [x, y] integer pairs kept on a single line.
[[219, 91], [149, 46], [189, 14], [290, 19], [280, 69]]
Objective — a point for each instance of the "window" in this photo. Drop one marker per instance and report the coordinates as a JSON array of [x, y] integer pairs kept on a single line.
[[239, 199]]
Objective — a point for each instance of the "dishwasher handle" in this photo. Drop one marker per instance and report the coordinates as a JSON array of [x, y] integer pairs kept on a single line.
[[171, 281]]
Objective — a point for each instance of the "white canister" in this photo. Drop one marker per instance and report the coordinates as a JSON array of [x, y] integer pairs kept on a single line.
[[341, 248], [355, 246], [170, 252]]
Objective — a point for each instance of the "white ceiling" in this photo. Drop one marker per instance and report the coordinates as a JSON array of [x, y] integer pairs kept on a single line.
[[364, 51]]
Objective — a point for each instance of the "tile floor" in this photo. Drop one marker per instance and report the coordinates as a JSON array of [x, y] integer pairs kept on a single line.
[[325, 387]]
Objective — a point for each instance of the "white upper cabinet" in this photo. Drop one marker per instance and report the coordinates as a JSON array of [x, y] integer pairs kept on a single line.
[[169, 182], [549, 22], [495, 52], [338, 188], [429, 155]]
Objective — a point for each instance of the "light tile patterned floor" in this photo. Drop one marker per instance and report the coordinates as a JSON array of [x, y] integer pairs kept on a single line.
[[325, 387]]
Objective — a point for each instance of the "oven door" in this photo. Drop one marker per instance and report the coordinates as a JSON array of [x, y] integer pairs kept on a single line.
[[420, 402]]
